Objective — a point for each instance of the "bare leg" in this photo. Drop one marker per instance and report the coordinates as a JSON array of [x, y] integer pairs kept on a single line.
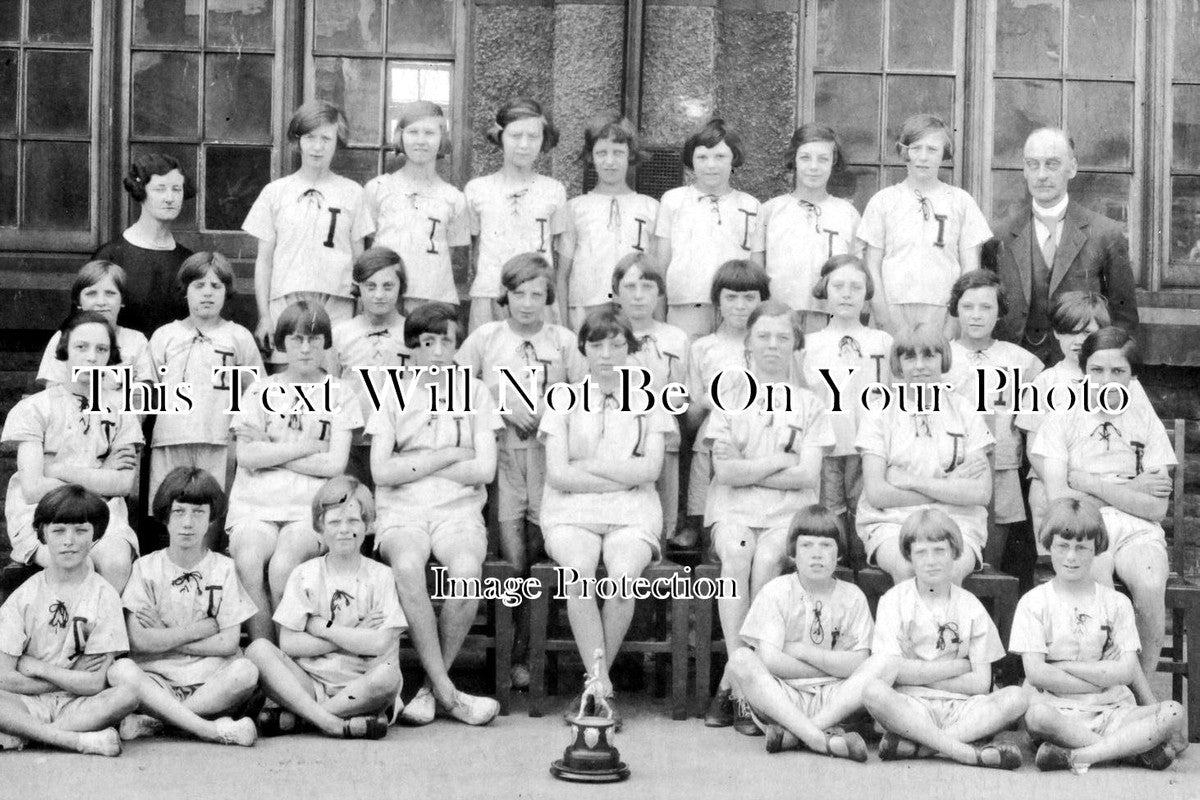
[[367, 694], [108, 706], [160, 703], [892, 561], [296, 545], [228, 687], [408, 559], [113, 559], [287, 684], [1144, 569], [1147, 727], [251, 546], [512, 549], [457, 614], [583, 613], [735, 547], [621, 558]]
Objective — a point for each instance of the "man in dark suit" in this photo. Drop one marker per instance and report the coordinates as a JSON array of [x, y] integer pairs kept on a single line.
[[1055, 245]]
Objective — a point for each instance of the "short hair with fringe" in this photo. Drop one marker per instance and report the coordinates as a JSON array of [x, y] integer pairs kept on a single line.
[[811, 132], [190, 485], [70, 505], [77, 318], [376, 259], [337, 492], [777, 308], [612, 127], [920, 339], [603, 324], [917, 127], [315, 113], [92, 273], [813, 520], [518, 109], [740, 275], [645, 264], [1111, 338], [820, 289], [1074, 311], [1075, 519], [930, 525], [978, 279], [526, 267], [304, 319], [433, 317], [712, 134], [197, 265], [418, 110]]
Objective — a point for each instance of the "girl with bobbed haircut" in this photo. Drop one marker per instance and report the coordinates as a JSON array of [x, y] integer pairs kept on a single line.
[[523, 108], [703, 225], [418, 110], [810, 133], [197, 265], [190, 485], [417, 214], [777, 308], [1075, 519], [930, 525], [146, 166], [740, 275], [920, 234], [605, 324], [337, 492], [1111, 338], [310, 225], [514, 210], [77, 318], [712, 134], [315, 113], [612, 126], [303, 319], [376, 259], [610, 222], [523, 268], [71, 504], [434, 318], [920, 340], [814, 520], [978, 279], [820, 289]]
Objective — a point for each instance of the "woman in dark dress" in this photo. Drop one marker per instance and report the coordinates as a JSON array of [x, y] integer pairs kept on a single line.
[[147, 250]]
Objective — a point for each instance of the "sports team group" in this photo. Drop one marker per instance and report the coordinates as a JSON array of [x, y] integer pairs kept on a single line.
[[135, 618]]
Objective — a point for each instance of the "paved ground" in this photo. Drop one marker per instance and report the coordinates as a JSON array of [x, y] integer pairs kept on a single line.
[[511, 759]]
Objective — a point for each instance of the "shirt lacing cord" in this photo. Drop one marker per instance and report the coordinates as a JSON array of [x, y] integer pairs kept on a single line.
[[848, 345], [188, 579], [313, 196], [716, 204], [614, 215], [926, 205], [515, 199], [814, 213]]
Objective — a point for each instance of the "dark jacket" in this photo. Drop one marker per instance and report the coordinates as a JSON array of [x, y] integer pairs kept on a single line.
[[1092, 255]]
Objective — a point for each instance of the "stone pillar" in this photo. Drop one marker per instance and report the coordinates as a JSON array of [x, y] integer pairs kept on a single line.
[[679, 69]]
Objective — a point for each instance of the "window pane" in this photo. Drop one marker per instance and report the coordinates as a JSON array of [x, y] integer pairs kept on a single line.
[[409, 81], [421, 26], [1185, 128], [10, 21], [1029, 36], [57, 185], [848, 33], [238, 103], [1101, 114], [920, 35], [1104, 194], [59, 20], [855, 184], [233, 177], [1009, 195], [857, 123], [352, 84], [1100, 38], [57, 85], [1021, 108], [185, 154], [8, 91], [349, 25], [914, 94], [1185, 218], [8, 183], [165, 94], [240, 23], [1187, 40], [169, 22], [357, 165]]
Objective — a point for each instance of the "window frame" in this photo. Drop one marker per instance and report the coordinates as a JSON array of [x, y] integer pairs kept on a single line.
[[100, 86]]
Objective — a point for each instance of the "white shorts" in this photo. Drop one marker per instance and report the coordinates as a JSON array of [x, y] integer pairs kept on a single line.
[[562, 540], [442, 537], [945, 712], [1101, 712]]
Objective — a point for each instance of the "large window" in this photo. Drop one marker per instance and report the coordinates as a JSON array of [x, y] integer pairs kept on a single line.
[[1075, 63], [203, 88], [49, 127], [371, 57], [1182, 112], [870, 65]]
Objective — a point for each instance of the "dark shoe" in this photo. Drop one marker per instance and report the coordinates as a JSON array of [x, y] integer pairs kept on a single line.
[[1010, 755], [743, 721], [1052, 757], [374, 727], [895, 748], [1158, 758], [720, 710], [275, 721]]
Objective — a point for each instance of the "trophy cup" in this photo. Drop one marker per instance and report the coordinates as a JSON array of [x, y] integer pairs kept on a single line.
[[591, 758]]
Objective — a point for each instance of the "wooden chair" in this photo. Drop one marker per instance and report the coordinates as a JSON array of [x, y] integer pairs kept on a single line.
[[663, 623]]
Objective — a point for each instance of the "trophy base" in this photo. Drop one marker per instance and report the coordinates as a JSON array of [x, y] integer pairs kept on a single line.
[[560, 770]]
